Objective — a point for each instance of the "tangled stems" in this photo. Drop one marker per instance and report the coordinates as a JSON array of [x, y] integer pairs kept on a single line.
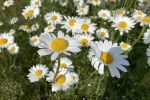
[[141, 34]]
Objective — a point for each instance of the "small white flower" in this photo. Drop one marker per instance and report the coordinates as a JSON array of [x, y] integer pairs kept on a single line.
[[102, 33], [8, 3], [83, 10], [49, 29], [34, 41], [104, 14], [125, 46], [13, 20], [13, 49]]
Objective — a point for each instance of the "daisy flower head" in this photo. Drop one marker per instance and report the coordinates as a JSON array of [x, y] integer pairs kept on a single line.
[[13, 48], [6, 40], [11, 32], [37, 72], [65, 64], [148, 55], [85, 26], [120, 12], [138, 15], [143, 2], [94, 2], [35, 3], [83, 10], [123, 24], [55, 45], [84, 39], [30, 12], [145, 21], [8, 3], [34, 41], [49, 29], [78, 2], [53, 18], [108, 54], [13, 20], [102, 33], [70, 23], [104, 14], [74, 78], [35, 27], [125, 46], [147, 37], [60, 82], [25, 28]]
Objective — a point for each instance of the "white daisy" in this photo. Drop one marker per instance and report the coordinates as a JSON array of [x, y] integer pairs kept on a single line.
[[85, 26], [147, 37], [83, 10], [74, 78], [30, 12], [70, 23], [108, 54], [148, 55], [125, 46], [35, 3], [84, 39], [37, 72], [95, 2], [34, 41], [53, 18], [13, 20], [104, 14], [50, 44], [138, 15], [35, 27], [49, 29], [25, 28], [120, 12], [65, 64], [123, 24], [78, 2], [102, 33], [11, 32], [8, 3], [146, 21], [6, 40], [60, 82], [13, 48]]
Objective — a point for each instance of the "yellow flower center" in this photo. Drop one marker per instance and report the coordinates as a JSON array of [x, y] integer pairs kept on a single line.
[[139, 13], [102, 34], [3, 41], [84, 41], [54, 18], [82, 10], [85, 26], [124, 45], [63, 65], [29, 13], [49, 27], [12, 49], [58, 44], [34, 39], [60, 79], [147, 19], [36, 3], [26, 27], [122, 24], [72, 22], [120, 12], [106, 57], [38, 73], [104, 14], [73, 77]]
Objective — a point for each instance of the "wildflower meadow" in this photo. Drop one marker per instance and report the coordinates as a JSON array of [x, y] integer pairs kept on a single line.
[[74, 49]]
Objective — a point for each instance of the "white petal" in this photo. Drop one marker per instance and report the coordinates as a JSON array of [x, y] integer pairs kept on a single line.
[[44, 52]]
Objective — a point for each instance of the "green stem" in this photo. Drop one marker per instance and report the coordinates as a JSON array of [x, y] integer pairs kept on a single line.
[[141, 34]]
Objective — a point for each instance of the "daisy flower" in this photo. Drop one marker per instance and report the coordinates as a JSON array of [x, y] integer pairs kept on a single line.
[[83, 10], [6, 40], [125, 46], [8, 3], [34, 41], [142, 2], [70, 23], [120, 12], [147, 37], [146, 21], [84, 39], [35, 27], [138, 15], [60, 82], [123, 24], [102, 33], [11, 32], [53, 18], [148, 55], [13, 48], [37, 72], [49, 29], [25, 28], [74, 78], [35, 3], [30, 12], [85, 26], [78, 2], [50, 44], [108, 54], [13, 20], [65, 64], [94, 2], [104, 14]]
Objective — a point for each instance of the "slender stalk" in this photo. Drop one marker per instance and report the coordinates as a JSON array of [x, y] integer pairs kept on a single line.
[[141, 34]]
